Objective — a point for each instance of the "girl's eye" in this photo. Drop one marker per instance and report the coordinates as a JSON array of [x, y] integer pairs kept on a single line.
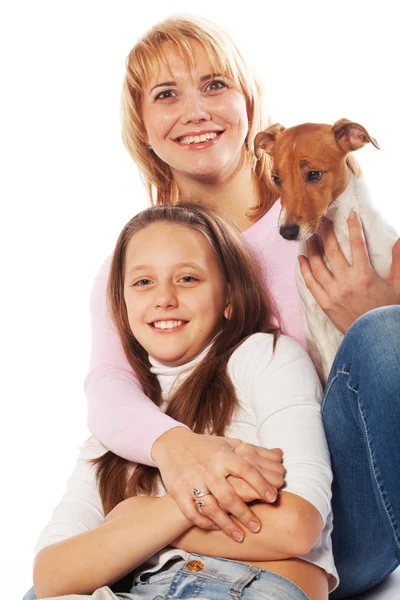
[[165, 94], [142, 282], [216, 85], [188, 279]]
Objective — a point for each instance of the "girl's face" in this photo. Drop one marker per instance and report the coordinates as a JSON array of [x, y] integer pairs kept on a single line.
[[196, 121], [174, 291]]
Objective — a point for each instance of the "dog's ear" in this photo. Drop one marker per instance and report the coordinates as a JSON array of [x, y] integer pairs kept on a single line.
[[265, 140], [352, 136]]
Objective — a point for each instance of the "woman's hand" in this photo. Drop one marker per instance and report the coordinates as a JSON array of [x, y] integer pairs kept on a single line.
[[348, 291], [269, 462], [187, 460]]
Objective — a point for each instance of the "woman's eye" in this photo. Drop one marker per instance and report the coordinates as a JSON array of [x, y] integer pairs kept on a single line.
[[165, 94], [142, 282], [216, 85], [276, 180], [313, 176]]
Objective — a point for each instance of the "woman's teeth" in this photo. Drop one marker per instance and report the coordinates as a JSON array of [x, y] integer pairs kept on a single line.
[[167, 324], [196, 139]]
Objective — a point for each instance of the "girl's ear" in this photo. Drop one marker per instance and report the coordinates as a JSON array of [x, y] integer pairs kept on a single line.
[[228, 307], [228, 311]]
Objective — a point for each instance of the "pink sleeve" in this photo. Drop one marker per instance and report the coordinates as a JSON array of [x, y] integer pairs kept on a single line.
[[119, 413]]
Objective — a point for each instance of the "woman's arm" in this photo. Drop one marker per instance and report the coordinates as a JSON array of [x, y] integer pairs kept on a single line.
[[90, 560]]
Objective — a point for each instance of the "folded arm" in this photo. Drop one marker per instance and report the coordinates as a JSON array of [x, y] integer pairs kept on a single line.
[[99, 557]]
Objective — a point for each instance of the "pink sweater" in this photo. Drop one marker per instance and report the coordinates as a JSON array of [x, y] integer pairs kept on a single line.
[[119, 414]]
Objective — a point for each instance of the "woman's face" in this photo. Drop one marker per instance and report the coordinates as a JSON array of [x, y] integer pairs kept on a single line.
[[174, 291], [196, 121]]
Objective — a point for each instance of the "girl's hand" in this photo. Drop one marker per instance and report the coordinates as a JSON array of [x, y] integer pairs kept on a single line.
[[348, 291], [187, 460]]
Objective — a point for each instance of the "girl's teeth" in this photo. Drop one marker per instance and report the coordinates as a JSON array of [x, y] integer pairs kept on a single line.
[[167, 324], [189, 139]]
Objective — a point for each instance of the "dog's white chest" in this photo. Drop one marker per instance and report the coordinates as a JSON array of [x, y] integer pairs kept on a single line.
[[322, 336]]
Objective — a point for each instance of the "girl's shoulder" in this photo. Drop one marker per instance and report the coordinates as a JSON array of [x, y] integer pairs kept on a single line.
[[261, 346], [257, 366]]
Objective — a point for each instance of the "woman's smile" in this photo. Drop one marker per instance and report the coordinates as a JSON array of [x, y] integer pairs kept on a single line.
[[201, 112], [199, 140]]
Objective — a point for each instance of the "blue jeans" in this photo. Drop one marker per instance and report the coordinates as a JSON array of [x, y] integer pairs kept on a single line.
[[216, 579], [361, 414], [208, 578]]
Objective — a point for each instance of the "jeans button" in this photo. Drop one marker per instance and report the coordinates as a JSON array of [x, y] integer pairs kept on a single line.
[[195, 565]]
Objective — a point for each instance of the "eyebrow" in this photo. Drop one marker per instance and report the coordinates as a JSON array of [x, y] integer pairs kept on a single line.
[[191, 265], [202, 78]]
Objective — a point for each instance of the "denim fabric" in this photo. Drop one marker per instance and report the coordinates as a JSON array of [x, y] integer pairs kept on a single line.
[[30, 595], [361, 414], [218, 579]]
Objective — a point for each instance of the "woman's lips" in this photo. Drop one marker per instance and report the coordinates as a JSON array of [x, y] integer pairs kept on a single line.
[[199, 145]]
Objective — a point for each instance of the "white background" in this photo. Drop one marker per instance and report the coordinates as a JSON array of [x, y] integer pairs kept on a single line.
[[68, 187]]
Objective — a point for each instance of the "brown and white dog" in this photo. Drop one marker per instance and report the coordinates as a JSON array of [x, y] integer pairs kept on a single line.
[[317, 177]]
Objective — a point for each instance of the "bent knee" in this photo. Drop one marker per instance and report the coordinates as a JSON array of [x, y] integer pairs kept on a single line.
[[381, 324]]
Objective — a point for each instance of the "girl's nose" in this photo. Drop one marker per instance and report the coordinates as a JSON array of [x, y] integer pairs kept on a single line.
[[166, 298]]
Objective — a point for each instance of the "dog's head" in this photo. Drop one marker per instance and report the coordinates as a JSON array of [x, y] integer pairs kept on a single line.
[[311, 169]]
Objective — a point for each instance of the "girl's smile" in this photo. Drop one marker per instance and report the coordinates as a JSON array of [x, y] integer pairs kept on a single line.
[[175, 293]]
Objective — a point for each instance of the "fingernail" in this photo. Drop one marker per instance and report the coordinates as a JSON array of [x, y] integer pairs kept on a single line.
[[353, 214], [254, 526], [237, 536], [271, 497]]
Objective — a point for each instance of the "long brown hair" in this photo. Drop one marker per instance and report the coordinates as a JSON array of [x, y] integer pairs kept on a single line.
[[225, 57], [206, 400]]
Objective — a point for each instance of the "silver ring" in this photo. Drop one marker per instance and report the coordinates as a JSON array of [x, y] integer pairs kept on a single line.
[[198, 494], [200, 503]]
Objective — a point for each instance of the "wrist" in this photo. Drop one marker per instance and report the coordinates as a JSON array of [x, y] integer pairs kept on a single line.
[[172, 511], [170, 438]]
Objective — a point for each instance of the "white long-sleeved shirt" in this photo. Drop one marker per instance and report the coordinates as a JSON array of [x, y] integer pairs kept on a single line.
[[278, 406]]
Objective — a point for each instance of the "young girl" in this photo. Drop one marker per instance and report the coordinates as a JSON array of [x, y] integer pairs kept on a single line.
[[186, 298]]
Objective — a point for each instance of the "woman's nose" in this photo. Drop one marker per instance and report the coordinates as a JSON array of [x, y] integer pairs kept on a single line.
[[194, 110]]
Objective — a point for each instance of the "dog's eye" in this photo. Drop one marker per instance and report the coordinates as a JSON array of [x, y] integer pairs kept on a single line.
[[313, 176], [276, 179]]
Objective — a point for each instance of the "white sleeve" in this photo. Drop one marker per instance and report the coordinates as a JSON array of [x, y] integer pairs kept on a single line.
[[285, 394], [80, 508]]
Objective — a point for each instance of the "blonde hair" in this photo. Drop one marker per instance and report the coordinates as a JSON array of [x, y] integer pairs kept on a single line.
[[225, 57]]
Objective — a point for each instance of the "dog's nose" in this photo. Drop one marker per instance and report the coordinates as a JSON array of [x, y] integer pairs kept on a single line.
[[289, 232]]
